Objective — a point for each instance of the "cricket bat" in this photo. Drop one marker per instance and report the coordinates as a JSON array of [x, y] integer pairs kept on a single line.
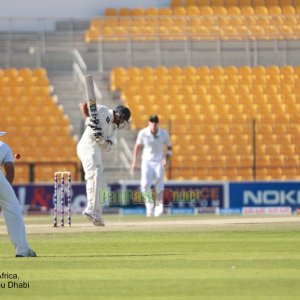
[[91, 97]]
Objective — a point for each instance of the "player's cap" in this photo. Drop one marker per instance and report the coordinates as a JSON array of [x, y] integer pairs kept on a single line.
[[2, 133], [154, 119]]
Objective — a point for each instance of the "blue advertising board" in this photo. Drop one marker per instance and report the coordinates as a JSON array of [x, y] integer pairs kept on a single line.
[[177, 194], [39, 197], [181, 194], [264, 194]]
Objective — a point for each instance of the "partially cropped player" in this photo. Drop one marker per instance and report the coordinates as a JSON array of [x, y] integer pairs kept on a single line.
[[10, 204], [99, 135], [153, 140]]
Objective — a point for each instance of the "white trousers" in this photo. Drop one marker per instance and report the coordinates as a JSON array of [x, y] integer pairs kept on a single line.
[[13, 216], [96, 187], [152, 173]]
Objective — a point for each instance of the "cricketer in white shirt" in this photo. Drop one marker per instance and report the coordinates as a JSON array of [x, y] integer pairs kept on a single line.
[[153, 141], [99, 135], [10, 203]]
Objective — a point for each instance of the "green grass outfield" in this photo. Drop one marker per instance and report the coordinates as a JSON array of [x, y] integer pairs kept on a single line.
[[166, 258]]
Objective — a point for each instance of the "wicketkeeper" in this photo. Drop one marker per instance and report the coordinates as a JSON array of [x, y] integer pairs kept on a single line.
[[99, 135]]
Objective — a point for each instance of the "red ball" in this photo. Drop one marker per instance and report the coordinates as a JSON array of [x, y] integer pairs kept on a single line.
[[17, 156], [168, 196]]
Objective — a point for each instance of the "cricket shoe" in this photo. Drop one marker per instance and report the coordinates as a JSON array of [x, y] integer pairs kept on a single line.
[[97, 221], [149, 209], [158, 210], [29, 253]]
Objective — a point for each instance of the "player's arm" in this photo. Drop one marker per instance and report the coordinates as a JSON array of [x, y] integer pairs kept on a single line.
[[84, 109], [108, 141], [9, 168], [136, 150], [167, 156], [168, 153], [106, 146], [169, 150]]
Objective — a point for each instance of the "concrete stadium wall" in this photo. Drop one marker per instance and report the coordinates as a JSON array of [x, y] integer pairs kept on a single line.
[[69, 8]]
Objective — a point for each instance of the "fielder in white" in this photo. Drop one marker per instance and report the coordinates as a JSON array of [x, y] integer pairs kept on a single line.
[[10, 204], [99, 135], [153, 140]]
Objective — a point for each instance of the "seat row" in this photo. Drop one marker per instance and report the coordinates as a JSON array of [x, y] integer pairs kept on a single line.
[[24, 72], [204, 70], [208, 24], [228, 3], [209, 7], [236, 174]]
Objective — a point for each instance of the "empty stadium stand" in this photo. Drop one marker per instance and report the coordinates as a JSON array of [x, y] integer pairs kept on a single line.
[[225, 122], [37, 127]]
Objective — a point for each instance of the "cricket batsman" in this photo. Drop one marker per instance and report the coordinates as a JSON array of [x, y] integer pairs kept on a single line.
[[99, 135]]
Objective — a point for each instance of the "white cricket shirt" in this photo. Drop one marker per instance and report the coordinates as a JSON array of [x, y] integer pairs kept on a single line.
[[109, 129], [153, 145], [6, 154]]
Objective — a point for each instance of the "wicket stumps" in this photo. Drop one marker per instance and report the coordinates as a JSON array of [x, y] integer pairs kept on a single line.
[[62, 174]]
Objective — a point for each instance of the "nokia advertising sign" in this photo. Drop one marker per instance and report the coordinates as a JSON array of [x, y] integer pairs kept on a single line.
[[264, 194]]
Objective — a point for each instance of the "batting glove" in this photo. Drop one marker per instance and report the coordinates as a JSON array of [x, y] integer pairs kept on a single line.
[[100, 140], [97, 132], [93, 123]]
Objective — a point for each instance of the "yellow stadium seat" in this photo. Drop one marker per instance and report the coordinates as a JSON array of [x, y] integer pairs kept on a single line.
[[165, 11], [258, 3], [233, 10], [151, 12], [192, 11], [287, 70], [287, 9], [215, 3], [175, 3], [11, 72], [230, 33], [271, 4], [25, 72], [247, 10], [138, 11], [245, 2], [220, 11], [110, 11], [92, 35], [283, 3], [231, 3], [203, 3], [206, 11], [290, 172], [124, 11], [190, 2]]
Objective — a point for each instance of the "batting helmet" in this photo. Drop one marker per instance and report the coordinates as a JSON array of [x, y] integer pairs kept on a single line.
[[122, 111]]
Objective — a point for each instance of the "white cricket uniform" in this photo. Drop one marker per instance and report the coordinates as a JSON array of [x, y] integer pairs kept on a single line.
[[90, 154], [152, 169], [11, 206]]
